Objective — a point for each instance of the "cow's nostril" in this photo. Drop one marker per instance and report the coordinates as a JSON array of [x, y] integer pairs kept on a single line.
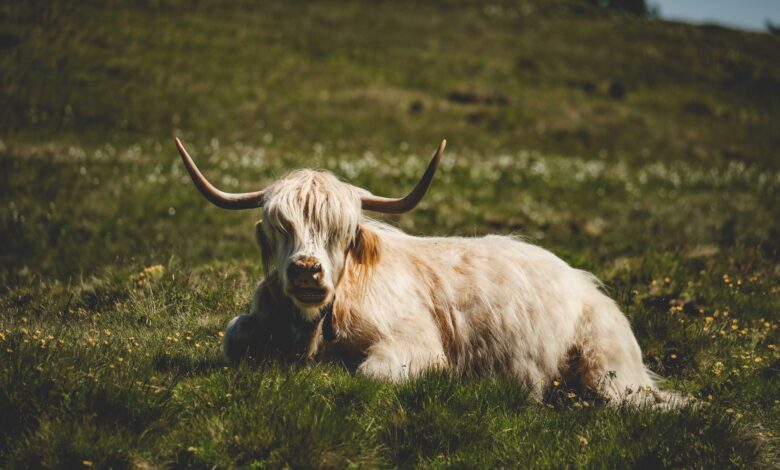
[[317, 268]]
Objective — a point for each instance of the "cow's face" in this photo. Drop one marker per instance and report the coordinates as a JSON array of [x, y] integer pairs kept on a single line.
[[310, 221], [310, 228]]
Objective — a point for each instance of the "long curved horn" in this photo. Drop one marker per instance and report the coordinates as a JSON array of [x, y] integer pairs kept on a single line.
[[410, 201], [217, 197]]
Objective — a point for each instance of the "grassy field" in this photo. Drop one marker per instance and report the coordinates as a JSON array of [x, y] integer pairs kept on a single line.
[[643, 151]]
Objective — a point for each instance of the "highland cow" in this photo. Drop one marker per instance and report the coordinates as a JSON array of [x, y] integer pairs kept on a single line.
[[394, 306]]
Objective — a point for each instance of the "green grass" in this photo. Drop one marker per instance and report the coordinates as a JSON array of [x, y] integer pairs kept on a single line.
[[668, 191]]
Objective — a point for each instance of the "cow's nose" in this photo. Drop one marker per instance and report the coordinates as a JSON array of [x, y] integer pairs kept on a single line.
[[305, 270]]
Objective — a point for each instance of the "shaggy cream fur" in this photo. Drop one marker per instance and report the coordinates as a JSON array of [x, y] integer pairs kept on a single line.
[[399, 305]]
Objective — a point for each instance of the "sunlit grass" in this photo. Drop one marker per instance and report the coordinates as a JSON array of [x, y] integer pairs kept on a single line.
[[133, 343]]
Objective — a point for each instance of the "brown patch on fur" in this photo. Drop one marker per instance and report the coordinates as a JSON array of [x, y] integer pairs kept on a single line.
[[352, 339], [445, 319], [440, 315], [448, 331], [306, 207], [577, 372], [464, 266], [457, 340], [362, 257], [570, 368], [590, 370], [366, 248]]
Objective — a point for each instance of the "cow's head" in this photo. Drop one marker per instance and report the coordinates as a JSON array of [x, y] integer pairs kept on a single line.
[[311, 227]]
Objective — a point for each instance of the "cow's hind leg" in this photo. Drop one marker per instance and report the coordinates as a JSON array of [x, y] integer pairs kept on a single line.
[[611, 360]]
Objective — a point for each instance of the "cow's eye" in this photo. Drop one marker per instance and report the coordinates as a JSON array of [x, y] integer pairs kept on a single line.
[[285, 225]]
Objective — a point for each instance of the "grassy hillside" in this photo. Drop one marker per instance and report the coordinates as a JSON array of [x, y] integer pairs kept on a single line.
[[641, 150]]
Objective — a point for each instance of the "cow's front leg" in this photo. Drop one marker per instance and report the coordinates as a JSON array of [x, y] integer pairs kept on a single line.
[[242, 337], [268, 330], [400, 360]]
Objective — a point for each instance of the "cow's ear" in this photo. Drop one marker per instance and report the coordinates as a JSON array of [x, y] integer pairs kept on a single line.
[[366, 248], [265, 247]]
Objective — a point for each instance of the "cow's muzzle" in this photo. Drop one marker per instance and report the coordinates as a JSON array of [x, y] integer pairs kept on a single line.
[[305, 276]]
